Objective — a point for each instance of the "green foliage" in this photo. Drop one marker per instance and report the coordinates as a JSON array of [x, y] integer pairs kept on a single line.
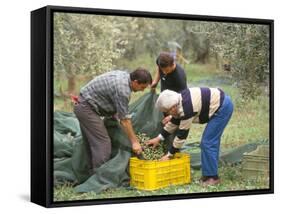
[[143, 60], [92, 44], [196, 43], [246, 48], [85, 44], [150, 36]]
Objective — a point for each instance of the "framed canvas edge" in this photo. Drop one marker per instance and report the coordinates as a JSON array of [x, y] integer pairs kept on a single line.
[[48, 93]]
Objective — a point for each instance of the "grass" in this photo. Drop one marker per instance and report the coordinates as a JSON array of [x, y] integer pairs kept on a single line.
[[232, 180], [250, 122]]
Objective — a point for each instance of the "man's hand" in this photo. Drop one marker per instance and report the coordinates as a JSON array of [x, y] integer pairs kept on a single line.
[[165, 157], [154, 142], [166, 119], [153, 86], [136, 147], [128, 128], [152, 90], [155, 81]]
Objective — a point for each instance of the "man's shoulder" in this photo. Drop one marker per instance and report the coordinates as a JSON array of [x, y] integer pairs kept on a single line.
[[121, 76], [119, 72], [114, 73], [122, 81], [179, 68]]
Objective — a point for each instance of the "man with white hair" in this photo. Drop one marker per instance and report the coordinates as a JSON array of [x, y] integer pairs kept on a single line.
[[196, 105]]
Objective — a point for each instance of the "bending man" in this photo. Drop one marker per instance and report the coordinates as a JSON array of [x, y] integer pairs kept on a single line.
[[108, 95], [196, 105]]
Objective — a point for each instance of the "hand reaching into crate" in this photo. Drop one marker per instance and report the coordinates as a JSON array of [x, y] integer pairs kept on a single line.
[[152, 149], [165, 157], [153, 142]]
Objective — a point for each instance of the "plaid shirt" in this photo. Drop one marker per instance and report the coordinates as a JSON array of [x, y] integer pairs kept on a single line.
[[109, 94]]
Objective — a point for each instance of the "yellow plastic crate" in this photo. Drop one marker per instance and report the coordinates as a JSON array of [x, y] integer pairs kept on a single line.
[[153, 174]]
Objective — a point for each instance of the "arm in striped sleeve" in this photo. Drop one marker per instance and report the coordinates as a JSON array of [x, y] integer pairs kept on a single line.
[[181, 135], [169, 128]]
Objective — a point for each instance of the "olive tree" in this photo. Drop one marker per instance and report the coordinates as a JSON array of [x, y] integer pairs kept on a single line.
[[245, 47], [84, 44]]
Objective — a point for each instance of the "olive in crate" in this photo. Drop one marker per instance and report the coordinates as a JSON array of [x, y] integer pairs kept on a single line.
[[150, 153]]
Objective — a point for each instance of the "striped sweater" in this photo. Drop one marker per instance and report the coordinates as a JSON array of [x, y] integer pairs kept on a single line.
[[197, 105]]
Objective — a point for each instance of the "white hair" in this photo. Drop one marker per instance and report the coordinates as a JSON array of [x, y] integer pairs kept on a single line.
[[167, 99]]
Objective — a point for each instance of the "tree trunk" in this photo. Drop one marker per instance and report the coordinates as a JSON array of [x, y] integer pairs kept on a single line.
[[71, 78], [71, 84]]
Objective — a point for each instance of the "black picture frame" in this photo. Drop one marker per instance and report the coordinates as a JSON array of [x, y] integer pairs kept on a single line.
[[42, 102]]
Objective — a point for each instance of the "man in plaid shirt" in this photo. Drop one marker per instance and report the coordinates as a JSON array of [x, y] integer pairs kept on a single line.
[[108, 95]]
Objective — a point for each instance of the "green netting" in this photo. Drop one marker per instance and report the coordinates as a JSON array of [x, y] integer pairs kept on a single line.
[[71, 158], [146, 118]]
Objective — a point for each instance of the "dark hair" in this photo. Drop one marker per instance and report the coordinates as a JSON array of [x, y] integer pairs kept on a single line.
[[141, 75], [165, 59]]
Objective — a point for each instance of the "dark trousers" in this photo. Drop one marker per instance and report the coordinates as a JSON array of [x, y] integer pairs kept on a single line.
[[94, 134]]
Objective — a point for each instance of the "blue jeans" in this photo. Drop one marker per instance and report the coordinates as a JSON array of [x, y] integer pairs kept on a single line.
[[210, 142]]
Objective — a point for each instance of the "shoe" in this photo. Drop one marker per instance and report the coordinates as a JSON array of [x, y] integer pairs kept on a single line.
[[211, 182], [203, 178]]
